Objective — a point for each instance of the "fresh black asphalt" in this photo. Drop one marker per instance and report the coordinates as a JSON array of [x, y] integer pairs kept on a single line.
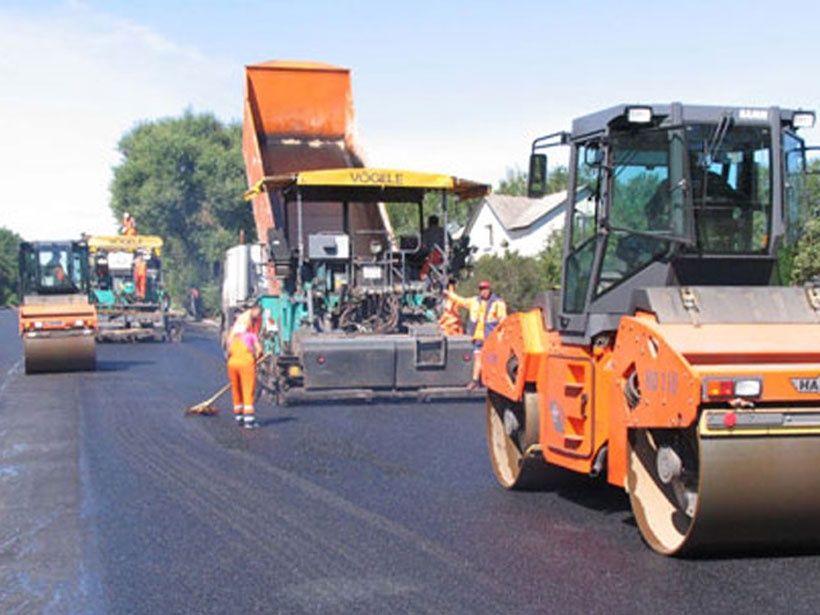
[[112, 501]]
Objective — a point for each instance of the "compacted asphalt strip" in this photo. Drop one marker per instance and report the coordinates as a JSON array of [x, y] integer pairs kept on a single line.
[[112, 501]]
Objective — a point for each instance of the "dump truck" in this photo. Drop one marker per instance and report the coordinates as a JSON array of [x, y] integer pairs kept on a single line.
[[127, 311], [56, 321], [671, 361], [356, 313], [297, 116]]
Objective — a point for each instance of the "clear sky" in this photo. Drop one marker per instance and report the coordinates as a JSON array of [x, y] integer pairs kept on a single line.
[[450, 86]]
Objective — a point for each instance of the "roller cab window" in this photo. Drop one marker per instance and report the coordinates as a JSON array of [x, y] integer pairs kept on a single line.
[[796, 202], [648, 203], [731, 187], [53, 268], [55, 272], [583, 221]]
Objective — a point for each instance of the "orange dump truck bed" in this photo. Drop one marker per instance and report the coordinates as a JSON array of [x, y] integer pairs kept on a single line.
[[298, 116]]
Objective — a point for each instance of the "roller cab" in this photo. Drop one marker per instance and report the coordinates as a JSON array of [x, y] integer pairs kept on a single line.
[[56, 321], [671, 361]]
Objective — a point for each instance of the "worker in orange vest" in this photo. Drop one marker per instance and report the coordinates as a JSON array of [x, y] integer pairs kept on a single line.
[[486, 310], [244, 349], [129, 225], [140, 275], [450, 320]]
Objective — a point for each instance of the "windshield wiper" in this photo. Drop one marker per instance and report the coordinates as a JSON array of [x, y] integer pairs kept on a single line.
[[716, 141]]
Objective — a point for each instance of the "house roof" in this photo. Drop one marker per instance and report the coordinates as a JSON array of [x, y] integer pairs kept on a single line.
[[520, 212]]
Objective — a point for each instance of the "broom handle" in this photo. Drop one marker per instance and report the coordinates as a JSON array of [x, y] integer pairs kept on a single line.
[[216, 395]]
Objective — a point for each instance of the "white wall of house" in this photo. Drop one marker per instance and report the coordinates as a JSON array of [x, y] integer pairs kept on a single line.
[[491, 238], [487, 233]]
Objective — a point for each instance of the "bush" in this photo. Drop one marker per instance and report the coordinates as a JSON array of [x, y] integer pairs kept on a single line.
[[9, 244], [806, 262]]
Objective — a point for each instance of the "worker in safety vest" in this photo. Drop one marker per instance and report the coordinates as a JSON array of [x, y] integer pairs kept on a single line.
[[450, 321], [140, 275], [486, 311], [129, 225], [244, 348]]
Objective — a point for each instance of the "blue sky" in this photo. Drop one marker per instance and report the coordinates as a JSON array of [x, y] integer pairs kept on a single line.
[[459, 87]]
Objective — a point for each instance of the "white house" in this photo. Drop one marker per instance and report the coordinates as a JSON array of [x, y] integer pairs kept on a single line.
[[516, 223]]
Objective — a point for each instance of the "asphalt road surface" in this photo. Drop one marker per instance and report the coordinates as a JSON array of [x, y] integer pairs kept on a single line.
[[112, 501]]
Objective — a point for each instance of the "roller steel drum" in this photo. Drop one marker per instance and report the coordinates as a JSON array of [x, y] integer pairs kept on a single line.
[[60, 354], [512, 429], [753, 487]]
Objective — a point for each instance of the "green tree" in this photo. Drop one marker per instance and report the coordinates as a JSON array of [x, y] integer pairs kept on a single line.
[[806, 262], [805, 257], [183, 178], [404, 217], [514, 182], [9, 244]]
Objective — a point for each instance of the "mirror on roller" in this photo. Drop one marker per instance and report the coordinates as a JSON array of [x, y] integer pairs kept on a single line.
[[537, 178]]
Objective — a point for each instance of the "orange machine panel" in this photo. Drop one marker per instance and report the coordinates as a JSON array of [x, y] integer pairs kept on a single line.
[[304, 99], [57, 316], [517, 347], [565, 396], [298, 116], [669, 389]]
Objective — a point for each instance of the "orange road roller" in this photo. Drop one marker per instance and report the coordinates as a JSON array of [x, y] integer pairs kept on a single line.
[[671, 361], [56, 320]]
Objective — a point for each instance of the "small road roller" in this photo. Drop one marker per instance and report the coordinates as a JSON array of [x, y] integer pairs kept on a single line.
[[57, 323], [671, 360]]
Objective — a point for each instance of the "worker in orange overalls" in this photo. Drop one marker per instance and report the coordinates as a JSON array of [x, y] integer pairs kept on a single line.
[[487, 310], [129, 225], [140, 275], [244, 349], [450, 321]]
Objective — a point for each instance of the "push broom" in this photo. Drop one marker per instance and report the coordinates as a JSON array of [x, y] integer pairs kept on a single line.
[[207, 408]]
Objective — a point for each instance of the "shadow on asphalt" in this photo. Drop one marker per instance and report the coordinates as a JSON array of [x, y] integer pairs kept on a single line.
[[761, 553], [276, 420], [591, 493], [119, 366], [600, 497], [376, 401]]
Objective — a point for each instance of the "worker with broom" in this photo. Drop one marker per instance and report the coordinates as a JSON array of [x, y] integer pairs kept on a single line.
[[244, 349]]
